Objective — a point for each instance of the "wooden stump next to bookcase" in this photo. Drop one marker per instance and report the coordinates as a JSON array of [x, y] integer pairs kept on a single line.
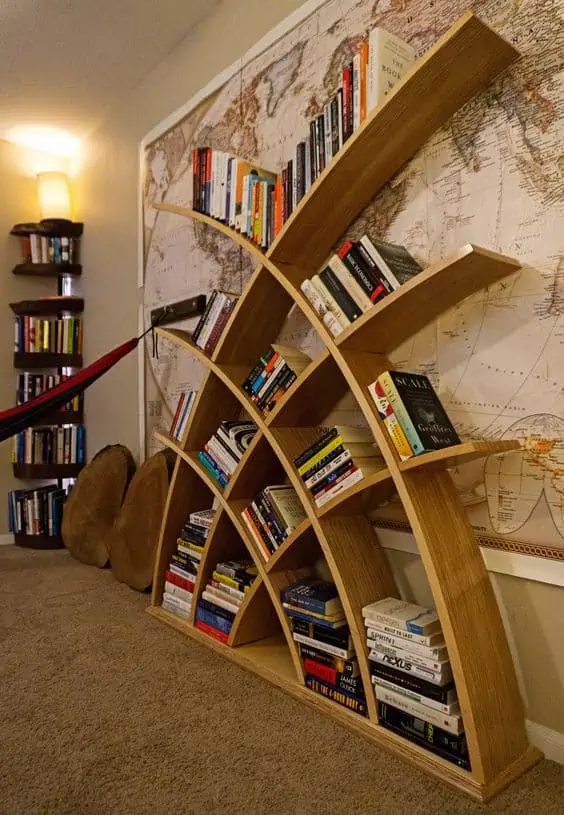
[[461, 64]]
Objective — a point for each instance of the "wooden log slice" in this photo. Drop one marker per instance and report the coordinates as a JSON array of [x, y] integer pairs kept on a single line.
[[132, 541], [95, 502]]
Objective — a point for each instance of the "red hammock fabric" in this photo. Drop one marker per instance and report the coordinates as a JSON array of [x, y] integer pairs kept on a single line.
[[18, 418]]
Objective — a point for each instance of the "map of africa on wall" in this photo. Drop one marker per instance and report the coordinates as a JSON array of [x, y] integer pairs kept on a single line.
[[494, 176]]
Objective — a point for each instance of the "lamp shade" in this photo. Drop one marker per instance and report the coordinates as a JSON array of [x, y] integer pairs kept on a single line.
[[53, 190]]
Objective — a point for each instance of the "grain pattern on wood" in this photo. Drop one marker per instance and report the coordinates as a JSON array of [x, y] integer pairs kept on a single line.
[[256, 619], [260, 469], [459, 454], [361, 498]]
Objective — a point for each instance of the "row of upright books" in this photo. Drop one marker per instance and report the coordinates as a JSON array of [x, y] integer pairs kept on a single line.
[[42, 249], [318, 625], [223, 596], [258, 202], [209, 328], [182, 572], [29, 385], [412, 413], [272, 516], [224, 450], [40, 335], [275, 372], [36, 512], [356, 278], [50, 445], [182, 414], [339, 458], [412, 677]]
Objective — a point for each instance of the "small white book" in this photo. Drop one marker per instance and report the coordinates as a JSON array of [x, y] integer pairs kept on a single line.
[[452, 724], [404, 615], [382, 638], [451, 708], [219, 601], [389, 58], [177, 591]]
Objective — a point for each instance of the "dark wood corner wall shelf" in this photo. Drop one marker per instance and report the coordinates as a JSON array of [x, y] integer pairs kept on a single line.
[[48, 269]]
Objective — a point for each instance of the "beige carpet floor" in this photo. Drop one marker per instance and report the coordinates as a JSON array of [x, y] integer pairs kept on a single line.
[[105, 710]]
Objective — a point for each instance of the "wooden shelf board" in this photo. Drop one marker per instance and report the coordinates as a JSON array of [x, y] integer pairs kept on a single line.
[[459, 454], [42, 359], [191, 458], [49, 305], [47, 269], [38, 541], [60, 417], [290, 541], [271, 660], [219, 226], [46, 471], [460, 64], [429, 294], [361, 497]]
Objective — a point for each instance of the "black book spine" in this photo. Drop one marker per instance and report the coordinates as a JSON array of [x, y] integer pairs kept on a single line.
[[348, 666], [266, 514], [341, 295], [277, 522], [258, 526], [284, 194], [336, 695], [440, 693], [300, 171], [325, 460], [350, 111], [370, 285], [351, 684], [340, 637], [329, 479], [288, 380], [258, 370], [335, 126], [428, 734], [205, 315], [273, 386], [313, 150], [370, 264], [290, 185], [320, 128], [202, 168], [219, 610], [315, 448], [419, 398]]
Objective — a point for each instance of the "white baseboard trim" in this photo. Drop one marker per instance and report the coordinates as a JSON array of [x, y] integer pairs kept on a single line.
[[550, 742], [6, 540]]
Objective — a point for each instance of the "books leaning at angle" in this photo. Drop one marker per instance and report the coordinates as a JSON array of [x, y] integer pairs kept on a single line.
[[318, 624], [340, 457], [412, 413], [412, 677], [182, 414], [272, 516], [223, 596], [223, 451], [210, 326], [182, 572], [36, 512], [357, 278], [276, 370]]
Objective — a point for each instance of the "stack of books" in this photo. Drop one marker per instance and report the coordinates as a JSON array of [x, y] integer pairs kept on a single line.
[[182, 413], [412, 677], [223, 596], [50, 445], [274, 373], [258, 202], [180, 578], [318, 624], [356, 278], [340, 457], [37, 248], [210, 326], [39, 335], [273, 515], [223, 452], [30, 385], [412, 413], [36, 512]]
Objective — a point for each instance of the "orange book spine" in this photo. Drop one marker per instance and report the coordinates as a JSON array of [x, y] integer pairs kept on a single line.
[[363, 78], [278, 205]]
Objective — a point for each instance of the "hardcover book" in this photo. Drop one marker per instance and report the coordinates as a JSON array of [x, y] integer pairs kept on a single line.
[[315, 595], [404, 615], [394, 262]]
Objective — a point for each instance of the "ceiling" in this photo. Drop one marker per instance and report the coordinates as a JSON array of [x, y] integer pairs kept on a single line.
[[64, 62]]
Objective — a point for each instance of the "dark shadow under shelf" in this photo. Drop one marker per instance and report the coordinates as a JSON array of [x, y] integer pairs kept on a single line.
[[25, 360], [38, 541], [47, 269], [46, 471]]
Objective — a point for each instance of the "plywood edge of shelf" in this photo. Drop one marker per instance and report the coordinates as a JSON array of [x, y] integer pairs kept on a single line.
[[274, 559], [458, 454], [271, 660], [47, 306], [257, 584], [345, 503], [46, 359], [219, 226], [47, 269]]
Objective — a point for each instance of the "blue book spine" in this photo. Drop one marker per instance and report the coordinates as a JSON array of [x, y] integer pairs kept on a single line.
[[401, 414], [212, 469], [307, 619], [216, 609], [214, 620], [301, 600], [81, 444]]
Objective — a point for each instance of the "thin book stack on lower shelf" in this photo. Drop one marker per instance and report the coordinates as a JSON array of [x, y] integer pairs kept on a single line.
[[223, 596], [182, 572]]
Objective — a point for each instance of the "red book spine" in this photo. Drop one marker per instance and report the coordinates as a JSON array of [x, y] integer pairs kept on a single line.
[[216, 331], [212, 632], [350, 469], [324, 672], [178, 580], [178, 409]]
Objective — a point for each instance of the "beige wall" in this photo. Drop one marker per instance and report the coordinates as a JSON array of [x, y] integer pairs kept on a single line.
[[107, 198], [18, 202]]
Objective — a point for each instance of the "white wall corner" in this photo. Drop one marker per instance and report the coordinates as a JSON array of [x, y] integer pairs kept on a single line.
[[550, 742]]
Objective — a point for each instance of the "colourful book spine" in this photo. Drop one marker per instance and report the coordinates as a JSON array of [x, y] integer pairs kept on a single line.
[[393, 427]]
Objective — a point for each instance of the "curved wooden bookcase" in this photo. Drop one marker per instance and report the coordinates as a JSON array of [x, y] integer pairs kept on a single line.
[[462, 63]]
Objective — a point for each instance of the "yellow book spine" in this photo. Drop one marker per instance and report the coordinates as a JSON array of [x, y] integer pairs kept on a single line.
[[311, 462]]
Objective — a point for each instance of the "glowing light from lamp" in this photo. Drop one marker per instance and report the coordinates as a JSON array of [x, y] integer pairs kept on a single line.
[[54, 195], [46, 139]]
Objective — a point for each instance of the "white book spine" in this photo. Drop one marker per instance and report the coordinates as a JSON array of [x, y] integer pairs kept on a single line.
[[177, 601], [323, 646], [347, 482], [218, 453], [327, 133], [452, 724], [401, 614], [177, 591], [233, 592], [219, 601], [340, 116], [373, 626], [262, 522], [401, 653], [389, 58], [280, 362], [324, 471], [35, 247], [344, 276], [244, 216], [452, 709], [307, 169], [383, 268], [44, 249], [356, 91], [330, 304], [223, 595], [438, 653], [216, 308], [234, 168]]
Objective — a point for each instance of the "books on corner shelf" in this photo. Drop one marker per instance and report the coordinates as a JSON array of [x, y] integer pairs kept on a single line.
[[30, 385], [62, 335], [223, 596], [258, 202], [340, 457], [412, 677], [412, 413], [318, 625], [37, 512], [182, 414], [210, 326], [272, 516], [355, 279], [64, 444], [182, 572], [275, 372], [38, 248], [224, 450]]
